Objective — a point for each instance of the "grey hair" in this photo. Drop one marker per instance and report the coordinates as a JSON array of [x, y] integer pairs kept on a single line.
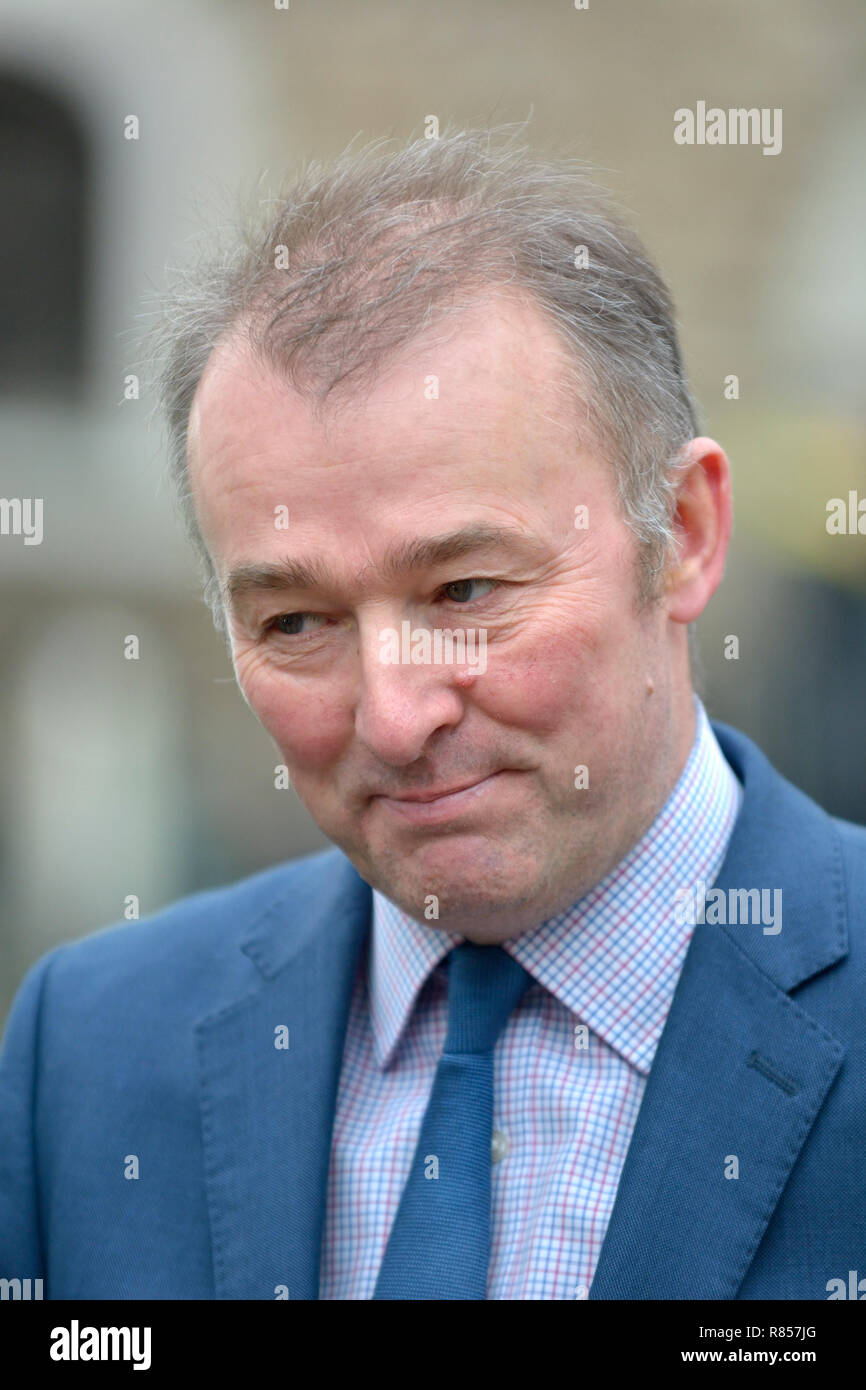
[[358, 257]]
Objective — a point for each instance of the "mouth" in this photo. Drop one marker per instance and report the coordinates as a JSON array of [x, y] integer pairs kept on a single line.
[[429, 807]]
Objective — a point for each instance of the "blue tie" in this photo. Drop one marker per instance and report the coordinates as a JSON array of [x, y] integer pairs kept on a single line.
[[439, 1246]]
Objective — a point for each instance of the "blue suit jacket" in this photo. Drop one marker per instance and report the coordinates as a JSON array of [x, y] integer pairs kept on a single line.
[[156, 1039]]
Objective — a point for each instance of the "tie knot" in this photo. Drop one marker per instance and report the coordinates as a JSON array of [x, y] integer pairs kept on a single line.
[[485, 984]]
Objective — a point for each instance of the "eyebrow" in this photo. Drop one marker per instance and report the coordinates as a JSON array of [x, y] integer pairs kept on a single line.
[[418, 552]]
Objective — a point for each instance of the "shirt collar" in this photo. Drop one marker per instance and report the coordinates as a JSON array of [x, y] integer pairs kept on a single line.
[[614, 958]]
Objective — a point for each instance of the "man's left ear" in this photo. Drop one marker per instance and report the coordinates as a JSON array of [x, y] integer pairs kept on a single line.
[[702, 527]]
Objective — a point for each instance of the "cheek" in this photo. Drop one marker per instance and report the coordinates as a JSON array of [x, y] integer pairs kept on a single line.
[[536, 686], [570, 669], [311, 726]]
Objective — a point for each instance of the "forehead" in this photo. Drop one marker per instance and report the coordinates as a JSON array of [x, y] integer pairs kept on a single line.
[[490, 368], [477, 423]]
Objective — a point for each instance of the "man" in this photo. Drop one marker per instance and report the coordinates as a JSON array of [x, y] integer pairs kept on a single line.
[[572, 1009]]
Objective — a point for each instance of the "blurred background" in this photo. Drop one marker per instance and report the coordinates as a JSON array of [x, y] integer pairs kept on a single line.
[[151, 777]]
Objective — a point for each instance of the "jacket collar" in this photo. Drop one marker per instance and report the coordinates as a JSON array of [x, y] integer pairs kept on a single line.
[[783, 840]]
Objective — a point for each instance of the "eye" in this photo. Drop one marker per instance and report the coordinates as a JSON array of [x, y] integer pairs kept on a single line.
[[289, 624], [462, 585]]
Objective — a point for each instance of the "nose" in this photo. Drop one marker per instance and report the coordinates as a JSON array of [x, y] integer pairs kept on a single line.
[[401, 704]]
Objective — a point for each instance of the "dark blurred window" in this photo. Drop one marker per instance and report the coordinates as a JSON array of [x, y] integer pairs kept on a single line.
[[42, 240]]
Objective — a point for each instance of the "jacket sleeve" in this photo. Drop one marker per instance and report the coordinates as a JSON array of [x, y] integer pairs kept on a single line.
[[21, 1255]]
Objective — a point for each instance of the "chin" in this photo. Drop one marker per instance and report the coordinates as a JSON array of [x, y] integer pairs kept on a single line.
[[463, 884]]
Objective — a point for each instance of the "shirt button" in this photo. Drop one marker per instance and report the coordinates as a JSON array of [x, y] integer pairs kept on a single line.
[[498, 1146]]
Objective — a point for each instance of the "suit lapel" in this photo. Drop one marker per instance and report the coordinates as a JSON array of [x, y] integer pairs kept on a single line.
[[741, 1069], [267, 1112]]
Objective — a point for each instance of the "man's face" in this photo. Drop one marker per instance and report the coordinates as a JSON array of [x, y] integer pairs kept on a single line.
[[576, 675]]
